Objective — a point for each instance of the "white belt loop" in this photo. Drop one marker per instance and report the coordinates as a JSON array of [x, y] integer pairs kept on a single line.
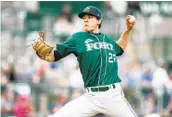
[[86, 90], [111, 87], [89, 89]]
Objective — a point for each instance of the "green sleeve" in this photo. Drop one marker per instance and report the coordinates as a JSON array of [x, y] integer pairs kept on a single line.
[[119, 51], [67, 47]]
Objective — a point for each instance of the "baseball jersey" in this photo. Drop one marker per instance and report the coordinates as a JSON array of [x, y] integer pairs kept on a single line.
[[96, 54]]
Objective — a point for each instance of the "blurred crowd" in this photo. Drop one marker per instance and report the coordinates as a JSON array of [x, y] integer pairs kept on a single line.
[[31, 87], [51, 85]]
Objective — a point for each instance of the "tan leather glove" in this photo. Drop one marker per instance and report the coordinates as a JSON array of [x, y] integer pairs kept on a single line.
[[42, 49]]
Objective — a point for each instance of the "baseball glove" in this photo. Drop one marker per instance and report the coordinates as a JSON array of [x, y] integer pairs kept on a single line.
[[41, 47]]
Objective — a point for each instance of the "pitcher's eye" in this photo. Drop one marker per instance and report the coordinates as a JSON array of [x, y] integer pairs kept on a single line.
[[83, 17], [90, 16]]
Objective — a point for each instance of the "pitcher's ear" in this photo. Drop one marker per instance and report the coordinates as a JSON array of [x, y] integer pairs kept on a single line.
[[99, 21]]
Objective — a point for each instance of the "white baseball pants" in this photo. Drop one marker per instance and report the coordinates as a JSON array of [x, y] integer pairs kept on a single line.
[[111, 103]]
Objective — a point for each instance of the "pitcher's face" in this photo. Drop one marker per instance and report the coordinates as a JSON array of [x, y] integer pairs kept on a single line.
[[90, 23]]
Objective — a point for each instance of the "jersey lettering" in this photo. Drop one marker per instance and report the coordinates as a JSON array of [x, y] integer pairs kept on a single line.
[[99, 45], [98, 68], [88, 40]]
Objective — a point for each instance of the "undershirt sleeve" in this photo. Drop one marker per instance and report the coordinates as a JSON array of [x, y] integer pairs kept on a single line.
[[118, 49]]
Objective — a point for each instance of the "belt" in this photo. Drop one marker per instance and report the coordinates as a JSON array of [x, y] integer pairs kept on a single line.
[[101, 88]]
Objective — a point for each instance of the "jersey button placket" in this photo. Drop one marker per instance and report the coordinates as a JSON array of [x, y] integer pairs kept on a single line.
[[98, 40]]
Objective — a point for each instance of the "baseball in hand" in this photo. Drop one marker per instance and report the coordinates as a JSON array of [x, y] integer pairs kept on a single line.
[[132, 19]]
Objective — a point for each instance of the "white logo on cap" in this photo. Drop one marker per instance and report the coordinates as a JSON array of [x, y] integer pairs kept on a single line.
[[87, 9]]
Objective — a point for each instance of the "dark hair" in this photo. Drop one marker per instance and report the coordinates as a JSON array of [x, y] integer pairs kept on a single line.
[[100, 25]]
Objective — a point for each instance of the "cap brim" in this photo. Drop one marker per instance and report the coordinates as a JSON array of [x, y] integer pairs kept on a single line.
[[80, 15]]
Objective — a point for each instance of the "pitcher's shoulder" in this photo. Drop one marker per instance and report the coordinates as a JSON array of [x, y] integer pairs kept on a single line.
[[80, 34], [109, 38]]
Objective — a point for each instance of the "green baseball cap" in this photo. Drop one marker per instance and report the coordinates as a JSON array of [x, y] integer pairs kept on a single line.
[[91, 10]]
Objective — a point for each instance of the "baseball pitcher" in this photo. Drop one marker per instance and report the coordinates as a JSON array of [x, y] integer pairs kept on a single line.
[[97, 56]]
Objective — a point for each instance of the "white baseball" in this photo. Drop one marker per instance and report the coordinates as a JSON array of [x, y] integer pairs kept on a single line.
[[132, 19]]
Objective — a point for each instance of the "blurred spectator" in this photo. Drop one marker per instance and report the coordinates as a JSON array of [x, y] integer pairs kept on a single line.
[[40, 73], [66, 11], [4, 79], [133, 76], [75, 78], [63, 26], [109, 22], [170, 77], [167, 103], [24, 70], [159, 83], [12, 74], [22, 107], [133, 7], [9, 71], [168, 111], [119, 7], [76, 93], [160, 79], [146, 82], [77, 24], [6, 103], [149, 105], [58, 103], [108, 12], [56, 75]]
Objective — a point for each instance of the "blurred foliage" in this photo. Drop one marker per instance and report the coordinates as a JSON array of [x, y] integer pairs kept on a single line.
[[54, 7]]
